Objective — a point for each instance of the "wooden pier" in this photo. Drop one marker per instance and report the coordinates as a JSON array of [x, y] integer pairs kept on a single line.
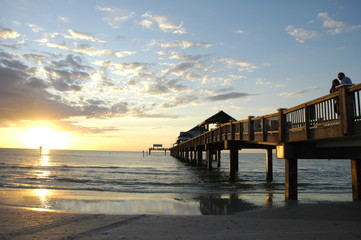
[[158, 147], [318, 129]]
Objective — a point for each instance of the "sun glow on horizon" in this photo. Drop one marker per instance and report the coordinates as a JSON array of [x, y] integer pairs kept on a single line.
[[46, 137]]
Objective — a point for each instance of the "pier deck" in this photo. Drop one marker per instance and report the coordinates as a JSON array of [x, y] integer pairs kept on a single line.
[[325, 128]]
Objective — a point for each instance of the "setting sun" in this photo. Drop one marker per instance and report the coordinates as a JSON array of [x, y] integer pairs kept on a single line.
[[46, 137]]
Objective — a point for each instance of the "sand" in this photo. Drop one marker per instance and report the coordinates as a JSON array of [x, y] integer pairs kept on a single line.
[[293, 221]]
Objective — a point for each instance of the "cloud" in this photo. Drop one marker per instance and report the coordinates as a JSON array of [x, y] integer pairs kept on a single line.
[[83, 36], [6, 33], [296, 93], [35, 28], [335, 27], [181, 100], [233, 63], [86, 49], [23, 97], [115, 16], [231, 95], [64, 19], [239, 31], [262, 81], [163, 86], [300, 34], [162, 22], [185, 44]]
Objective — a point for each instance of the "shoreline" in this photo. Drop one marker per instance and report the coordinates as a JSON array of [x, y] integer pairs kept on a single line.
[[295, 220]]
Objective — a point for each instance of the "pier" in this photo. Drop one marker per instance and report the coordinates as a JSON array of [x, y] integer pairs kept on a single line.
[[328, 127], [158, 147]]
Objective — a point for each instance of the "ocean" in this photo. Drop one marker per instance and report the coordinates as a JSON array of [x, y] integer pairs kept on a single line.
[[105, 182]]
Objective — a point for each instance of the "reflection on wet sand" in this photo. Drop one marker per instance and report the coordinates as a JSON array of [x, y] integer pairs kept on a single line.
[[224, 205], [44, 196]]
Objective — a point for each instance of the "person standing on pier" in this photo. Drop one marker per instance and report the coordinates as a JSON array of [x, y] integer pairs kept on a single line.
[[335, 83], [344, 80]]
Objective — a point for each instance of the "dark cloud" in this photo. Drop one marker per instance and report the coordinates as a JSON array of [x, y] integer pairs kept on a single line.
[[162, 86], [22, 99], [65, 80], [231, 95], [71, 62], [37, 83]]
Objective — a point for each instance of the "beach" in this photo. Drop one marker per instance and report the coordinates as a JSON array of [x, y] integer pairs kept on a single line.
[[73, 195], [293, 221]]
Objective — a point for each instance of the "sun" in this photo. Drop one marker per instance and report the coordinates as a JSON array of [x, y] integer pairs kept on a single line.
[[46, 137]]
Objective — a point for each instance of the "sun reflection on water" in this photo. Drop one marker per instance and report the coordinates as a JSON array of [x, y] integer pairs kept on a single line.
[[44, 197]]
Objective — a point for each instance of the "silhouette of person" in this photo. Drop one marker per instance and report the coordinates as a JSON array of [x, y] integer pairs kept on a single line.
[[335, 83], [333, 88], [344, 80]]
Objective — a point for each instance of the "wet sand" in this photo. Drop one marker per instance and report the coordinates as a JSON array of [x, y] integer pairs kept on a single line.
[[293, 221]]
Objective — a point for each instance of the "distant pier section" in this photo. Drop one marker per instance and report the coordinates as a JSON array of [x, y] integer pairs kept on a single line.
[[158, 147]]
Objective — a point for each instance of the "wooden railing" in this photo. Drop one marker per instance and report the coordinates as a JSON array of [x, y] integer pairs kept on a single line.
[[332, 116]]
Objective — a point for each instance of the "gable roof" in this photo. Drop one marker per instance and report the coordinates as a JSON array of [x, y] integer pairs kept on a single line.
[[220, 117]]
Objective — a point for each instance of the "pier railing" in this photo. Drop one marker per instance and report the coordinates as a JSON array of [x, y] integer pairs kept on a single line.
[[332, 116], [324, 128]]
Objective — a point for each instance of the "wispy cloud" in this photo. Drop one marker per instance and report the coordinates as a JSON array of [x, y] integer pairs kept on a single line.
[[115, 16], [241, 66], [35, 28], [262, 81], [297, 93], [185, 44], [239, 31], [162, 22], [227, 96], [64, 19], [300, 34], [83, 36], [335, 27]]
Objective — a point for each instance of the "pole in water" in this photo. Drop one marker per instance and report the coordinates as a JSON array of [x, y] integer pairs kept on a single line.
[[40, 149]]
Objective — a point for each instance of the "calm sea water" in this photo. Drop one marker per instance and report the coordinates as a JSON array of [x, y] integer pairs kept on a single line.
[[130, 182]]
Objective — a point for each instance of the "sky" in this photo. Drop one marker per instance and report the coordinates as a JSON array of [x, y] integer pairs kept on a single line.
[[123, 75]]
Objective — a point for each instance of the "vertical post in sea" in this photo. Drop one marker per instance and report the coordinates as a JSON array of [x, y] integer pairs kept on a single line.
[[40, 150], [269, 165], [356, 179], [218, 158], [291, 178]]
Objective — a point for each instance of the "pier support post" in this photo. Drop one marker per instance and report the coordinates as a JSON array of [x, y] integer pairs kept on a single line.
[[209, 158], [269, 165], [199, 157], [233, 162], [356, 179], [218, 158], [291, 179]]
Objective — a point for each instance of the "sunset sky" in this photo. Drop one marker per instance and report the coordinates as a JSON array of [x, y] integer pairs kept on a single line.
[[122, 75]]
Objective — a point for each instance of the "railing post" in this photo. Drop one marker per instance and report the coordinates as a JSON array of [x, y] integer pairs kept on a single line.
[[309, 114], [282, 125], [346, 109], [264, 129], [250, 128]]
